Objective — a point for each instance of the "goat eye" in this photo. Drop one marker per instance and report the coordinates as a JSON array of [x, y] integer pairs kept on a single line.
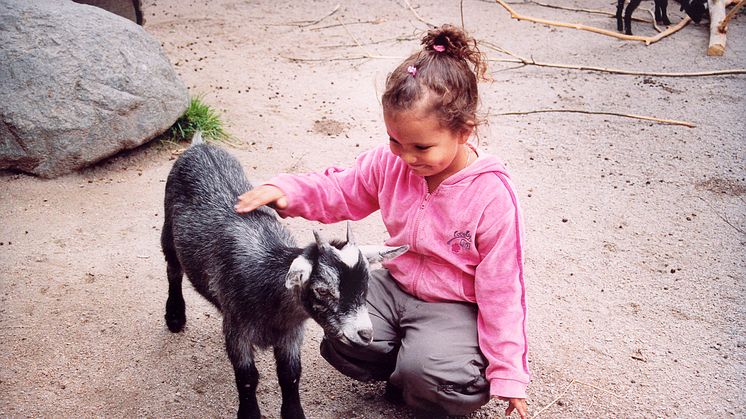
[[322, 292]]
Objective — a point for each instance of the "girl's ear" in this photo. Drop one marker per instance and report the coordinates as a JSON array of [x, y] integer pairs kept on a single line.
[[466, 132]]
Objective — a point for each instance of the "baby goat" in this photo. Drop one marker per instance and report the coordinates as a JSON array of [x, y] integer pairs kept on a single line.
[[250, 268], [696, 9]]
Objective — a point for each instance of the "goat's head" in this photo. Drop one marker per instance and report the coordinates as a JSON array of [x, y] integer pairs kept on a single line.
[[696, 9], [332, 280]]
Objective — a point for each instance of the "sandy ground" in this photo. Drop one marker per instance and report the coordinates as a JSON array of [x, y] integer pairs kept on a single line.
[[635, 251]]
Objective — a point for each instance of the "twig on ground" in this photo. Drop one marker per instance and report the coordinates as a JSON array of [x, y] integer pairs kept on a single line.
[[525, 61], [722, 217], [624, 115], [655, 24], [361, 22], [432, 25], [349, 58], [723, 26], [320, 19], [646, 40], [536, 415], [352, 35], [567, 388], [381, 41]]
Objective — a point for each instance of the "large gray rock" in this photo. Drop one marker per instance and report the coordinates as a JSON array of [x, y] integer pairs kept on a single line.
[[78, 84]]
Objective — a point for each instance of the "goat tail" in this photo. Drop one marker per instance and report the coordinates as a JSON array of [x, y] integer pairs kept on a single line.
[[197, 138]]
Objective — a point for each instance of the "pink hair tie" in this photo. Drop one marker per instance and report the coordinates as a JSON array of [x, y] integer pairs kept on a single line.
[[412, 70], [439, 48]]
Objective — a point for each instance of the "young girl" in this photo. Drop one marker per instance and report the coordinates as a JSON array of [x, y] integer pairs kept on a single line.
[[449, 316]]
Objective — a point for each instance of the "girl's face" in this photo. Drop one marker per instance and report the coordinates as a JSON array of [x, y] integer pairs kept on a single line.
[[430, 150]]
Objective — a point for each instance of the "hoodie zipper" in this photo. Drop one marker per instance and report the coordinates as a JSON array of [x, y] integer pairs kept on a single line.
[[415, 231]]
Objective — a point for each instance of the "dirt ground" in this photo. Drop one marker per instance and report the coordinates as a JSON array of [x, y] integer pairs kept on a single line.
[[635, 257]]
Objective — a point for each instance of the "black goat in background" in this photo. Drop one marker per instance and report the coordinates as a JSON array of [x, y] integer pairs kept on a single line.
[[696, 9]]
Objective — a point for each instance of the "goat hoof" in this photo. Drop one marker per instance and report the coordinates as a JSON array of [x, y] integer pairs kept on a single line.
[[175, 322]]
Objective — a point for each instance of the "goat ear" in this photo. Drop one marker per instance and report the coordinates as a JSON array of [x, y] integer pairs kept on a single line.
[[299, 272], [350, 237], [376, 254]]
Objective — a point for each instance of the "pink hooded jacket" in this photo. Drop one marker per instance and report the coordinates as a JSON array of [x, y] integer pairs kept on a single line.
[[465, 238]]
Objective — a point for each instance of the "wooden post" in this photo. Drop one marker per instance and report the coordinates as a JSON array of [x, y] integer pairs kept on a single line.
[[717, 37]]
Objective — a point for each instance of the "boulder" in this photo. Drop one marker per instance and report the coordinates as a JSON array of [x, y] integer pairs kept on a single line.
[[78, 84]]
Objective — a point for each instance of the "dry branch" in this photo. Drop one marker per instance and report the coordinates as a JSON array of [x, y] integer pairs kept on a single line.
[[556, 399], [623, 115], [521, 60], [645, 39], [304, 23], [432, 25], [723, 26]]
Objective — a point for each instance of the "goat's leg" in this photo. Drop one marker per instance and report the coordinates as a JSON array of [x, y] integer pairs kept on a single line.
[[175, 308], [288, 374], [628, 16], [660, 12], [619, 10], [247, 376]]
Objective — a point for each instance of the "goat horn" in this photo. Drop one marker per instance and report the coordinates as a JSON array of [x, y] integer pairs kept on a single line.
[[319, 240]]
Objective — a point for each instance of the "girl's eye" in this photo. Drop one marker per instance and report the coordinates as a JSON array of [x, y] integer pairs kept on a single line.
[[423, 147]]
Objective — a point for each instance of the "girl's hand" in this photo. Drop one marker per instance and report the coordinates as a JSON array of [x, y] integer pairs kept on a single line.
[[519, 405], [261, 195]]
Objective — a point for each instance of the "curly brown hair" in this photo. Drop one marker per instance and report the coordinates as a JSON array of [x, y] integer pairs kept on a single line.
[[440, 79]]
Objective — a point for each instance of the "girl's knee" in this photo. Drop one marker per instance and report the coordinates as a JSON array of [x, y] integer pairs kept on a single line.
[[432, 386]]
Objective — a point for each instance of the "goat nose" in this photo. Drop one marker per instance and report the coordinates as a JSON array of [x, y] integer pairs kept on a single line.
[[366, 335]]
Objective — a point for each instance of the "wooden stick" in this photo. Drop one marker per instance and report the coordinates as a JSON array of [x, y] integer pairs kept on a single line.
[[556, 399], [624, 115], [670, 30], [723, 26], [322, 18], [717, 37], [418, 16], [655, 24], [646, 40], [521, 60], [618, 71], [361, 22]]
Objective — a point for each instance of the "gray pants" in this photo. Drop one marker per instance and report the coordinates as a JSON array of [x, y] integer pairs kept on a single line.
[[428, 350]]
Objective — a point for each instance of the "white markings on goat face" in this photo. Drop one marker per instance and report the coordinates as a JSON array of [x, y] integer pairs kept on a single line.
[[357, 327], [349, 254]]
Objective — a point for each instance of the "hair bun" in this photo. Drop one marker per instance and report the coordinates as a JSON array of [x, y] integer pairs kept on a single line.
[[453, 41]]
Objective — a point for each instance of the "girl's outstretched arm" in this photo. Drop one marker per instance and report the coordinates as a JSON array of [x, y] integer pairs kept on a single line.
[[261, 195]]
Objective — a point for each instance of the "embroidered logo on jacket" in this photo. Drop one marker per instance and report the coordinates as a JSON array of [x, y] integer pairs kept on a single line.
[[460, 241]]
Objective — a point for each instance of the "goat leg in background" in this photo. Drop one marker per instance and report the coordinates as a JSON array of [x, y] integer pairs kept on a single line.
[[661, 14], [628, 16], [619, 15], [288, 374]]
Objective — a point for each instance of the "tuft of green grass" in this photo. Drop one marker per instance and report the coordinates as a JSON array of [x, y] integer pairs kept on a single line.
[[199, 117]]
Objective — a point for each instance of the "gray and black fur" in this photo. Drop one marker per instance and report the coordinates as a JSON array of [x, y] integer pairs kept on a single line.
[[696, 9], [251, 269]]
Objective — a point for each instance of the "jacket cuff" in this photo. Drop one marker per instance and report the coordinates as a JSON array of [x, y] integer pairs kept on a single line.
[[508, 388]]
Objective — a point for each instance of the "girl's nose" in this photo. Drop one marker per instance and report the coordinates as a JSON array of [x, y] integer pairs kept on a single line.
[[409, 158]]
